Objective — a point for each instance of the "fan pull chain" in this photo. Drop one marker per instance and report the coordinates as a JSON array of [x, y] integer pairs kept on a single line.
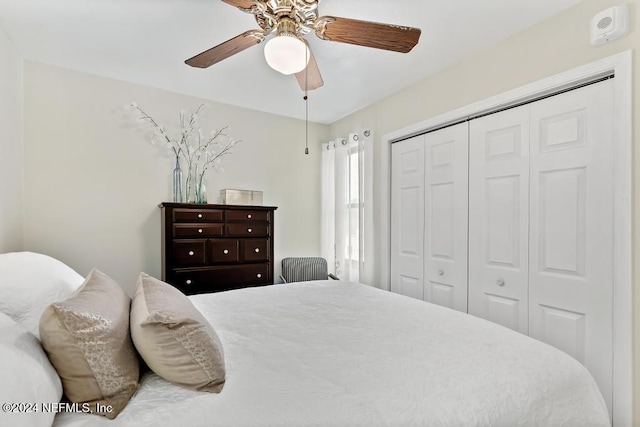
[[306, 103], [306, 125]]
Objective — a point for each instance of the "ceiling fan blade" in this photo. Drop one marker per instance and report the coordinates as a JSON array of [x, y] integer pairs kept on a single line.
[[310, 76], [226, 49], [371, 34], [242, 4]]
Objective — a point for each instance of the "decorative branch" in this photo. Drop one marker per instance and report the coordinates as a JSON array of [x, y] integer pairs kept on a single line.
[[200, 155]]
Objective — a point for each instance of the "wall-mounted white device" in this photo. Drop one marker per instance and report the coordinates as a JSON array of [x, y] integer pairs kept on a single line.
[[609, 24]]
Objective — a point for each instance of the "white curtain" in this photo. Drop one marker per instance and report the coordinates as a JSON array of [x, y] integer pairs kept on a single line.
[[347, 206]]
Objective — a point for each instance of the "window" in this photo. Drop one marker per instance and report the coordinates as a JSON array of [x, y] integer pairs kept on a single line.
[[353, 206], [344, 194]]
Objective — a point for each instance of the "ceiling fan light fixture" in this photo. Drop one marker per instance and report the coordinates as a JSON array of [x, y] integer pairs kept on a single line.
[[286, 53]]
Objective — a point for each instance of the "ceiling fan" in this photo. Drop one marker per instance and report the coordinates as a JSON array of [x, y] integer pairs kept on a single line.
[[288, 52]]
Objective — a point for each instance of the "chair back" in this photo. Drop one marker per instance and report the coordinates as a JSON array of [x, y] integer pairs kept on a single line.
[[302, 269]]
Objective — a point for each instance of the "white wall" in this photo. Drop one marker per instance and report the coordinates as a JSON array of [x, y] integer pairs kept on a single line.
[[553, 46], [11, 153], [93, 180]]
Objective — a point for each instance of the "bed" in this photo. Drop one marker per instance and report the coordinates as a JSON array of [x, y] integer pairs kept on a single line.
[[330, 353]]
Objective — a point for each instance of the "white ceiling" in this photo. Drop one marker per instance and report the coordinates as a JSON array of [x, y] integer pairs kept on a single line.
[[147, 41]]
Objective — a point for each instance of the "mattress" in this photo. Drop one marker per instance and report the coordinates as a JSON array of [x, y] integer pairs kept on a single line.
[[344, 354]]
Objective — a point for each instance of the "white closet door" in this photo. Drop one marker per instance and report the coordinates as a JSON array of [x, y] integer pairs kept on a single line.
[[571, 263], [499, 217], [446, 208], [407, 217]]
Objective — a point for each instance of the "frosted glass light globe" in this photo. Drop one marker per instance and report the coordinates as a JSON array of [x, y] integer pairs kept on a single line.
[[286, 53]]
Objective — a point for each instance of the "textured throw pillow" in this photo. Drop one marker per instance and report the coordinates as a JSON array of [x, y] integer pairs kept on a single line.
[[88, 341], [29, 282], [28, 381], [174, 339]]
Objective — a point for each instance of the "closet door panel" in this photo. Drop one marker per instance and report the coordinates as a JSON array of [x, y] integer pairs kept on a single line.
[[407, 217], [446, 220], [499, 217], [571, 264]]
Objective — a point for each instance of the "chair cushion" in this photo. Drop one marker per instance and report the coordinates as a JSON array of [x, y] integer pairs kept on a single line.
[[302, 269], [173, 337]]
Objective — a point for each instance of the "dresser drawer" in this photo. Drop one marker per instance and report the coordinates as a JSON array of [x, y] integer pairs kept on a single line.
[[189, 252], [247, 229], [223, 251], [197, 230], [215, 279], [254, 249], [198, 215], [247, 215]]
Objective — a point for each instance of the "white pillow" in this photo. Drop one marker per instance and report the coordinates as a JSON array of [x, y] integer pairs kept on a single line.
[[29, 282], [27, 376]]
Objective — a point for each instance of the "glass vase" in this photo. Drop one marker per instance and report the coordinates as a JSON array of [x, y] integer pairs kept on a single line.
[[201, 191], [191, 185], [177, 182]]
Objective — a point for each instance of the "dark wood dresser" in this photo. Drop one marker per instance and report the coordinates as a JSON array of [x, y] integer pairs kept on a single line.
[[212, 248]]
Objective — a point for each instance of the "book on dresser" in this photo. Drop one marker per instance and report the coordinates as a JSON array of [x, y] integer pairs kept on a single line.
[[212, 248]]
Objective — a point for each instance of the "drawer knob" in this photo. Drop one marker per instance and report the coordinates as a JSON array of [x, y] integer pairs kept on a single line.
[[249, 216], [500, 282], [199, 215], [258, 275], [188, 281], [257, 250], [226, 251], [440, 272], [191, 253], [249, 230], [199, 230]]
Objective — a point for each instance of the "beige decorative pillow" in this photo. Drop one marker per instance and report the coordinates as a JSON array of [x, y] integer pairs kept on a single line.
[[174, 339], [88, 342]]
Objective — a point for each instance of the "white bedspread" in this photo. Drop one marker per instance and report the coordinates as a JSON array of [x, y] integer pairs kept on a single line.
[[341, 354]]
